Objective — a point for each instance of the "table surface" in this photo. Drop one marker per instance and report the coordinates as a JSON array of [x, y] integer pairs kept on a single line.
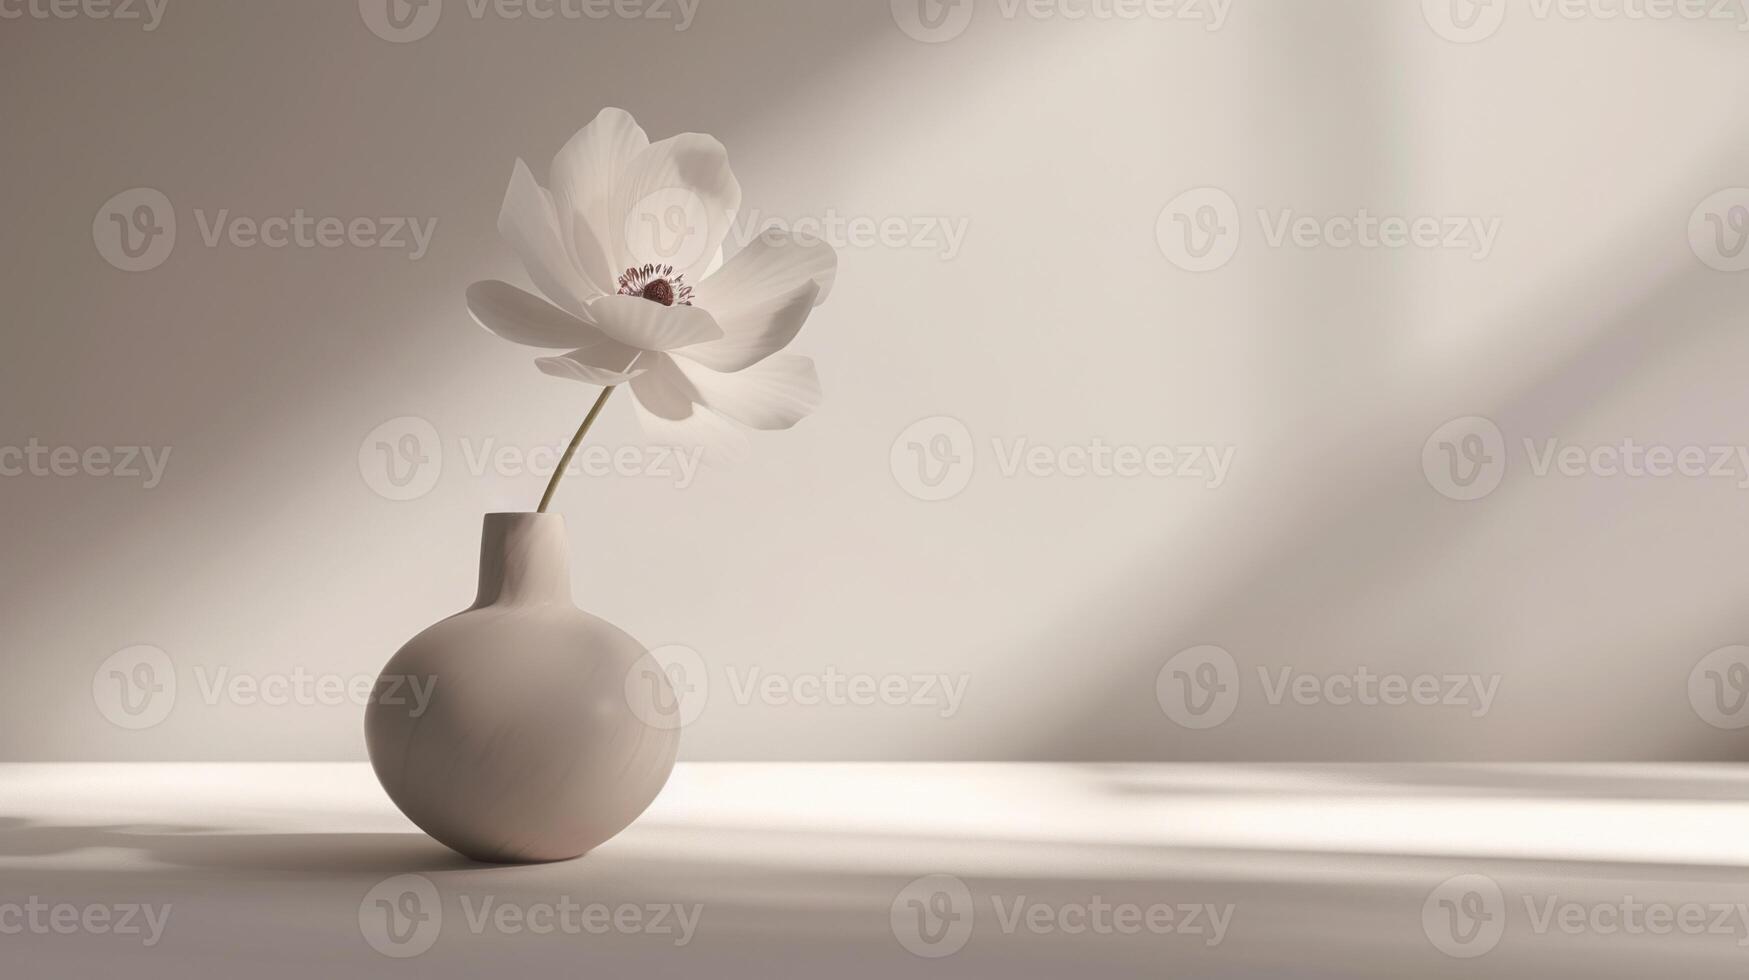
[[882, 870]]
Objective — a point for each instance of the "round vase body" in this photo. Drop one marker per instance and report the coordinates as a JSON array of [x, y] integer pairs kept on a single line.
[[522, 729]]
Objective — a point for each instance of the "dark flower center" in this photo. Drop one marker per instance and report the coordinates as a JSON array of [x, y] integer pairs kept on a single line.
[[656, 283]]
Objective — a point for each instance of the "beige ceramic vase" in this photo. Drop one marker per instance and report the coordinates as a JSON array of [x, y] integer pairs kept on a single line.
[[545, 730]]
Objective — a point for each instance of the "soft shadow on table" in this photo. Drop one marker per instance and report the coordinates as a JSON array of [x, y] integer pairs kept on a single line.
[[822, 901], [219, 849], [1677, 783]]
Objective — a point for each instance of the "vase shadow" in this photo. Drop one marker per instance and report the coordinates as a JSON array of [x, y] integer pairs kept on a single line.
[[217, 848]]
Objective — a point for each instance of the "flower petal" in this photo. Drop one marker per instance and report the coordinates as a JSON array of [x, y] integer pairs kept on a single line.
[[583, 178], [582, 365], [714, 438], [529, 225], [773, 264], [675, 204], [590, 258], [524, 318], [663, 391], [753, 333], [649, 325], [776, 393]]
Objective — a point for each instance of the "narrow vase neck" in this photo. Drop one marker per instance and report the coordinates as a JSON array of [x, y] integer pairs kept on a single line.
[[524, 560]]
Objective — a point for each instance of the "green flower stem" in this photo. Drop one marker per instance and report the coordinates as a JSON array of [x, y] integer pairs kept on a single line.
[[571, 450]]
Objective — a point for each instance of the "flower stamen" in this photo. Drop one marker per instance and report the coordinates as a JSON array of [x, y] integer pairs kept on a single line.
[[656, 283]]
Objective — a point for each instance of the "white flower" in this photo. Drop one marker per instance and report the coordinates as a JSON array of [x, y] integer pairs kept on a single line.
[[626, 242]]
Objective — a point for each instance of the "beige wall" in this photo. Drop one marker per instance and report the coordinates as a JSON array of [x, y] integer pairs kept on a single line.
[[1050, 602]]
